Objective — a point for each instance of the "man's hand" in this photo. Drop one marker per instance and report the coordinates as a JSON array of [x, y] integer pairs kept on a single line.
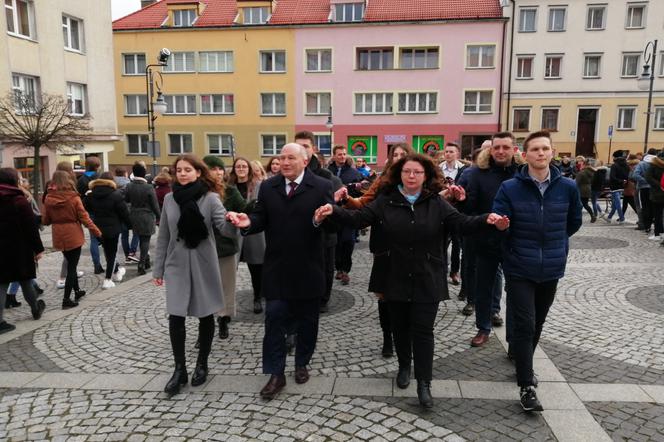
[[240, 220], [39, 256], [501, 222], [322, 212], [158, 281], [341, 194]]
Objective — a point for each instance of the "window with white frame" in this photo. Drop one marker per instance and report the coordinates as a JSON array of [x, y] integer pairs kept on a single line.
[[375, 59], [550, 119], [591, 65], [417, 102], [317, 103], [557, 16], [220, 144], [626, 117], [527, 19], [658, 124], [636, 16], [477, 102], [273, 61], [180, 143], [630, 64], [418, 58], [596, 18], [20, 17], [319, 60], [271, 144], [134, 64], [25, 90], [215, 61], [256, 15], [524, 67], [324, 143], [137, 144], [661, 64], [184, 17], [180, 62], [521, 119], [136, 105], [217, 104], [480, 56], [180, 104], [374, 103], [553, 66], [345, 12], [72, 33], [273, 104], [76, 99]]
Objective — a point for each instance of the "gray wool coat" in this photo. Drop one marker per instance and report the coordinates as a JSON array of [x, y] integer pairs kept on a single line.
[[191, 276], [144, 208], [252, 247]]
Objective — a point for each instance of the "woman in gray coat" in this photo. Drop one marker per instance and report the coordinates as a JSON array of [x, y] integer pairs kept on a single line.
[[143, 213], [186, 259]]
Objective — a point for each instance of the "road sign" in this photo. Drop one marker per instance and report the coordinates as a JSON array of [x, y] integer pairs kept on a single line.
[[610, 131]]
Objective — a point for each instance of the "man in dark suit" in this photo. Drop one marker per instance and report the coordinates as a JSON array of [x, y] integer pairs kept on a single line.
[[294, 265]]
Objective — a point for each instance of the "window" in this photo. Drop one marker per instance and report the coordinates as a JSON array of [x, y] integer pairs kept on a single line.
[[480, 56], [217, 104], [76, 99], [220, 144], [553, 66], [419, 58], [626, 118], [636, 16], [550, 119], [271, 144], [596, 17], [180, 62], [25, 91], [215, 61], [136, 105], [72, 32], [374, 103], [256, 16], [524, 67], [137, 144], [319, 60], [273, 104], [521, 120], [20, 17], [273, 61], [180, 143], [348, 12], [477, 102], [418, 102], [180, 104], [591, 66], [184, 17], [557, 19], [658, 124], [630, 65], [134, 64], [375, 59], [527, 19], [661, 64], [324, 143], [317, 103]]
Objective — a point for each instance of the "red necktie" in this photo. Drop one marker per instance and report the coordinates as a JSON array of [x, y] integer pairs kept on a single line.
[[293, 186]]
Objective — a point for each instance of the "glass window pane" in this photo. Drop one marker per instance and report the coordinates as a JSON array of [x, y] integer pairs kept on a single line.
[[129, 64], [281, 103], [229, 104], [266, 102], [326, 60], [407, 59], [280, 61], [487, 56], [312, 103], [473, 56], [312, 60]]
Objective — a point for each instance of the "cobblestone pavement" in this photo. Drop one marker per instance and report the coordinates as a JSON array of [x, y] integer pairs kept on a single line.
[[96, 372]]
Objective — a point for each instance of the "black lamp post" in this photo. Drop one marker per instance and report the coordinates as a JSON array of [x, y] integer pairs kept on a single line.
[[330, 125], [646, 82], [158, 106]]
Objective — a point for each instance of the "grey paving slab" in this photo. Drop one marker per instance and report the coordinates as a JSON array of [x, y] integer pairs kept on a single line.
[[574, 426], [236, 384], [489, 390], [630, 421], [655, 391], [546, 370], [439, 389], [558, 396], [363, 387], [315, 385], [118, 382], [61, 380], [611, 393], [15, 379]]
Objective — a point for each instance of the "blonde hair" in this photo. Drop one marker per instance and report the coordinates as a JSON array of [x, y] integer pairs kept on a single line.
[[63, 181], [257, 165]]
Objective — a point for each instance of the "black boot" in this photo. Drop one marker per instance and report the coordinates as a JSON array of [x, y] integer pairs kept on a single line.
[[141, 269], [403, 377], [147, 263], [178, 333], [179, 378], [223, 326], [205, 337], [11, 302], [38, 309], [387, 351], [200, 372], [424, 393]]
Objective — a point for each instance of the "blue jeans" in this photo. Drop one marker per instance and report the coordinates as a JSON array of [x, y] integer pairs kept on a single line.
[[14, 286], [616, 205], [596, 208], [126, 247], [94, 250]]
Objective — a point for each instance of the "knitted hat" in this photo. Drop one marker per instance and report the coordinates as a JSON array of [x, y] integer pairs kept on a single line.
[[617, 154], [213, 161], [138, 170]]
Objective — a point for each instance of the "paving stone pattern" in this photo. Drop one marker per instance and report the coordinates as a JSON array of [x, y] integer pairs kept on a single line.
[[649, 298], [631, 421], [21, 355], [596, 242]]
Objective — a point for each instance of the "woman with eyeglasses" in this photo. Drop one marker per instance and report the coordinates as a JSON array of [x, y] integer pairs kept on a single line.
[[414, 220]]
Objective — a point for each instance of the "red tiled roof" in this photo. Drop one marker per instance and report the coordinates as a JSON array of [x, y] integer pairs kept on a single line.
[[403, 10], [300, 11]]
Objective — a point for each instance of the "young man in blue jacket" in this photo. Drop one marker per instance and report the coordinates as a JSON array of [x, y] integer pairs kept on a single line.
[[544, 209]]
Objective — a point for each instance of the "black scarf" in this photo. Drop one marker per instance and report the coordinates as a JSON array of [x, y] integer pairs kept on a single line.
[[191, 225]]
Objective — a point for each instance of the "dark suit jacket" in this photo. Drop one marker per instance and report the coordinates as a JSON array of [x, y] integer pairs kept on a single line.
[[294, 261]]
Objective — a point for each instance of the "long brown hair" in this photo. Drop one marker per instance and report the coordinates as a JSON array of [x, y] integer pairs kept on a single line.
[[205, 178], [433, 177], [390, 153], [251, 179], [63, 180]]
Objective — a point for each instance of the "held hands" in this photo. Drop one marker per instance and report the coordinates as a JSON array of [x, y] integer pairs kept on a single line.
[[453, 193], [39, 256], [322, 212], [340, 194], [240, 220], [501, 222]]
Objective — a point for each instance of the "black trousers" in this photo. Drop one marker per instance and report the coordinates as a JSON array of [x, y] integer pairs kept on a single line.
[[628, 201], [110, 245], [528, 304], [646, 210], [329, 273], [584, 203], [178, 334], [256, 273], [658, 217], [145, 249], [455, 254], [71, 283], [468, 264], [344, 255], [412, 327]]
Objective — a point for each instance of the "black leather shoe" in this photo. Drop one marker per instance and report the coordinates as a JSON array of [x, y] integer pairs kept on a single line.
[[6, 327], [223, 321], [301, 375], [11, 302], [276, 383], [68, 303], [178, 379], [99, 269], [141, 269], [424, 393], [78, 294], [403, 377], [37, 312], [200, 374]]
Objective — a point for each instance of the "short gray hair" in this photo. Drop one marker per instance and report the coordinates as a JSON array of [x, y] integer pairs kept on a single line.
[[301, 150]]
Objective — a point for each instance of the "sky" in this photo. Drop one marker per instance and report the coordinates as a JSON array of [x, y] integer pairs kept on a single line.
[[120, 8]]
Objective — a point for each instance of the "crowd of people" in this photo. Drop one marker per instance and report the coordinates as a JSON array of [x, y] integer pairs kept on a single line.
[[506, 216]]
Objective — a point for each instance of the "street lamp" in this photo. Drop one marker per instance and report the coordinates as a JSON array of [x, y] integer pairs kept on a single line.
[[158, 106], [646, 80], [330, 125]]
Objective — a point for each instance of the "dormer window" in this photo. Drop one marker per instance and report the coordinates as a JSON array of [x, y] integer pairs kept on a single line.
[[184, 17], [348, 12], [256, 15]]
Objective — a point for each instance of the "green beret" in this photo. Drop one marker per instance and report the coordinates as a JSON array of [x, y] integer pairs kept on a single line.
[[213, 161]]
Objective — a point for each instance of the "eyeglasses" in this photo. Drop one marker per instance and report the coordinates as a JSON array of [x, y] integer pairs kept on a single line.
[[241, 166], [409, 172]]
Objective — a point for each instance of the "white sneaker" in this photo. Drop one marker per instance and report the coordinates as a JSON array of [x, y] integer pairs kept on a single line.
[[107, 284], [117, 276], [80, 273], [655, 238], [60, 284]]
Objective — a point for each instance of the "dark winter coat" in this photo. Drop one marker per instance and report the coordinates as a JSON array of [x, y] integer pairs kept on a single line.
[[536, 245], [584, 180], [348, 174], [598, 182], [64, 209], [233, 202], [162, 187], [144, 208], [618, 174], [654, 177], [567, 169], [313, 165], [107, 207], [19, 236], [413, 237], [83, 183]]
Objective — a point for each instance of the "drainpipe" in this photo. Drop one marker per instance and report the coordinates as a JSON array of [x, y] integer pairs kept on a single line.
[[502, 75], [509, 76]]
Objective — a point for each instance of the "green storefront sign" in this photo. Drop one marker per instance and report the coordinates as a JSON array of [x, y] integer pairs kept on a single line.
[[364, 147], [428, 144]]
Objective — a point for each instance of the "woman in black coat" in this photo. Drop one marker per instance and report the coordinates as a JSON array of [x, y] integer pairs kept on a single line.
[[414, 221], [20, 243]]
